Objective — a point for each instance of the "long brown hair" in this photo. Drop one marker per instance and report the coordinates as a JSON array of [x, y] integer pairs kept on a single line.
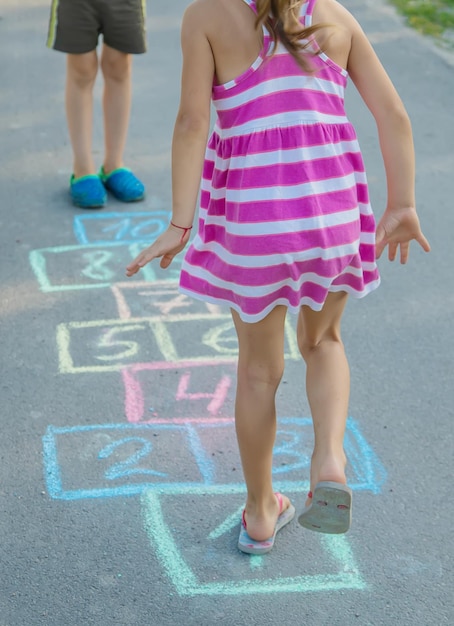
[[282, 22]]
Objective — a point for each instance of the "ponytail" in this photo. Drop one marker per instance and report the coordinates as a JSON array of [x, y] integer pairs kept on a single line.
[[283, 25]]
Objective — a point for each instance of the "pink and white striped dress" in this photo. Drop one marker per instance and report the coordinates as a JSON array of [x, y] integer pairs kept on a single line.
[[284, 213]]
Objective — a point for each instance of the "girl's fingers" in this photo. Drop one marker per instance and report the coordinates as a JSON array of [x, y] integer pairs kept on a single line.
[[166, 260], [392, 251], [397, 232], [404, 250], [166, 246], [425, 245], [380, 242], [142, 259], [132, 269]]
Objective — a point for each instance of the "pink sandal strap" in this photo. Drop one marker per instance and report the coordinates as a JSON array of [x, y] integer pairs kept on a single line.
[[280, 501], [281, 508]]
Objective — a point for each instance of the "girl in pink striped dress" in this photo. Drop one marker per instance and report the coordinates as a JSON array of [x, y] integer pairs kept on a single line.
[[284, 221]]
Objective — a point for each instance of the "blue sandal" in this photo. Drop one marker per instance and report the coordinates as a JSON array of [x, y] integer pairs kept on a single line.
[[123, 184], [87, 192]]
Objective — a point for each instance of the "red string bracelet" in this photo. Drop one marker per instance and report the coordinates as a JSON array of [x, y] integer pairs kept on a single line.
[[183, 228]]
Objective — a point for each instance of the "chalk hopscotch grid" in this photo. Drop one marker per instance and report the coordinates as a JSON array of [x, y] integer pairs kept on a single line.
[[39, 264], [123, 234], [158, 326], [368, 470], [136, 398], [137, 291], [370, 477], [187, 584], [162, 540]]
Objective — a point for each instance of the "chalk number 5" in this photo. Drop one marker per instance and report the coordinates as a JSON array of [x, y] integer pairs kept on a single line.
[[127, 348]]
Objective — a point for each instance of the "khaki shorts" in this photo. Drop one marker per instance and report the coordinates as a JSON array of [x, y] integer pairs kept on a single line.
[[75, 25]]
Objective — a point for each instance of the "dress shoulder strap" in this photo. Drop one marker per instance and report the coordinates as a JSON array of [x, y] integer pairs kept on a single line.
[[306, 11], [251, 3]]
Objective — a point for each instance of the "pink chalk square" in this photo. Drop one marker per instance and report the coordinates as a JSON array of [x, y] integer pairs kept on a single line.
[[189, 391]]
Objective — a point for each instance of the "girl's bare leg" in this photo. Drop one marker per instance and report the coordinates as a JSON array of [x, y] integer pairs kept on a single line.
[[327, 386], [117, 69], [80, 79], [260, 369]]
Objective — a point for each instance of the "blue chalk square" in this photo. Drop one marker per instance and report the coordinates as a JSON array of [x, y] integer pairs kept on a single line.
[[68, 268], [121, 459], [114, 460]]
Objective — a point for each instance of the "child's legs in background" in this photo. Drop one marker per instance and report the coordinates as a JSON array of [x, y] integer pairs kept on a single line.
[[327, 385], [260, 369], [80, 79], [116, 67]]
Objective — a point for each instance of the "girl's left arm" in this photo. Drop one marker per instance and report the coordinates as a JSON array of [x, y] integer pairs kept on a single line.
[[189, 139], [399, 224]]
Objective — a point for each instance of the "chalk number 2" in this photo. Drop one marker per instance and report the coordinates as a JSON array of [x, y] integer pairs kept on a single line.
[[128, 467]]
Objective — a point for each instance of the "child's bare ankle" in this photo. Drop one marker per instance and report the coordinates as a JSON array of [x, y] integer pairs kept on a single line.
[[328, 467]]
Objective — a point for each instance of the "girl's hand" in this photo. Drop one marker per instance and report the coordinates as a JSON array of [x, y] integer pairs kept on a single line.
[[166, 246], [398, 227]]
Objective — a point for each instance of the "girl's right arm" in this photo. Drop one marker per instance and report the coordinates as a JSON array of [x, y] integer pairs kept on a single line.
[[189, 139], [400, 223]]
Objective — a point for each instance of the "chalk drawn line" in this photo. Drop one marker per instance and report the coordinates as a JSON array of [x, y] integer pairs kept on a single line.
[[127, 231], [371, 479], [151, 292], [158, 326], [125, 225], [39, 265], [187, 584]]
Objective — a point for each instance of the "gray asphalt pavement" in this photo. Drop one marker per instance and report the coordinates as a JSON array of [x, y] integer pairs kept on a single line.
[[120, 483]]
